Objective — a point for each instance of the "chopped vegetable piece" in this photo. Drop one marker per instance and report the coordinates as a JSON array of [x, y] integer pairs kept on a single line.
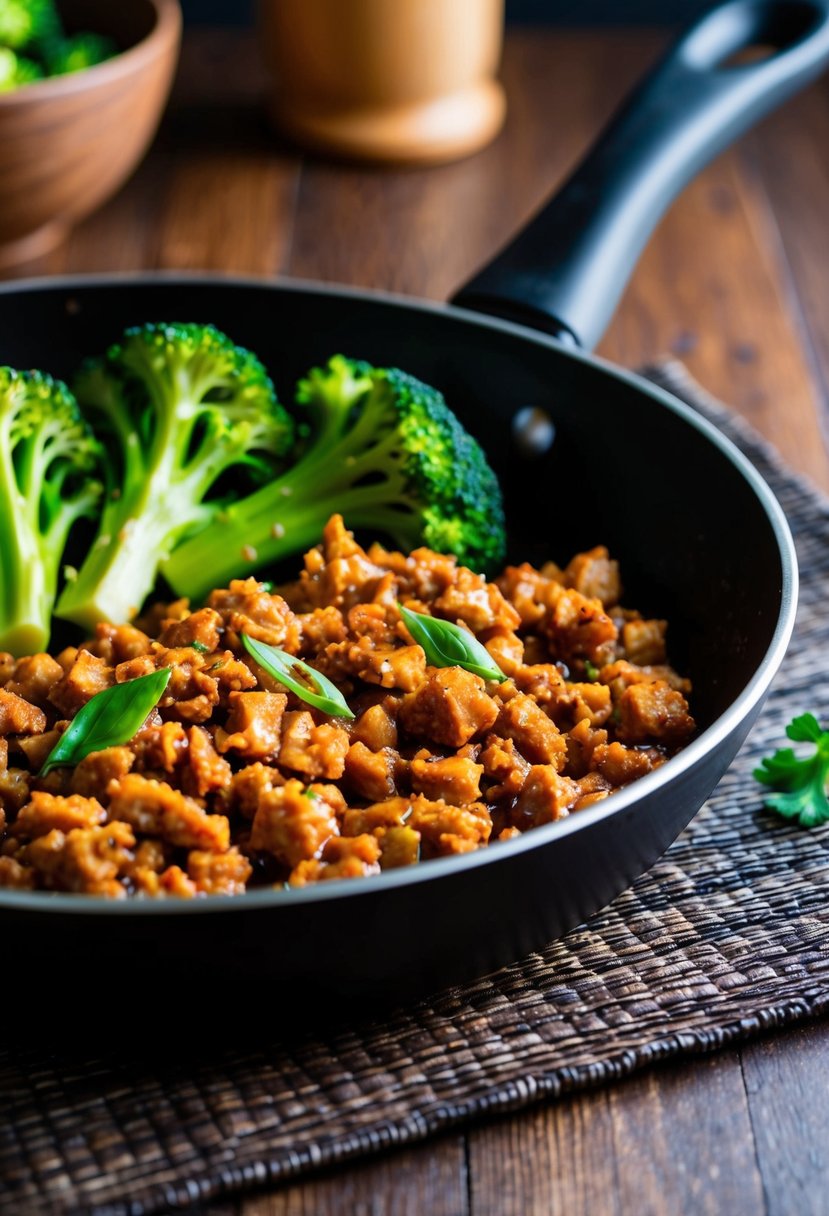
[[111, 718], [799, 784], [306, 682], [447, 645]]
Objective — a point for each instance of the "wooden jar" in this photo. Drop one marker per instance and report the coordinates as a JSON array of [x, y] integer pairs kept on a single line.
[[406, 81]]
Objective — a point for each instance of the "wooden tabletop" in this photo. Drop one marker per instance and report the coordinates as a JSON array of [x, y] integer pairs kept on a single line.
[[736, 283]]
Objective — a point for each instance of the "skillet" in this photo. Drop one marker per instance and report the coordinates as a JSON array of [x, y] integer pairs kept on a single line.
[[700, 538]]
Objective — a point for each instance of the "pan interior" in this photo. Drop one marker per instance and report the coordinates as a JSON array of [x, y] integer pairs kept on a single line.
[[695, 540]]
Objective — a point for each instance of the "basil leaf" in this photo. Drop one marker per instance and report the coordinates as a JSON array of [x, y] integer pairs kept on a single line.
[[447, 645], [309, 685], [108, 719]]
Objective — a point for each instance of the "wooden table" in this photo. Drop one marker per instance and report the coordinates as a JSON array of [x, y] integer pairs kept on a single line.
[[735, 283]]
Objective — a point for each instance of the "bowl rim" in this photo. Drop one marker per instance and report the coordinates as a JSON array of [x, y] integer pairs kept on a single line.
[[166, 31]]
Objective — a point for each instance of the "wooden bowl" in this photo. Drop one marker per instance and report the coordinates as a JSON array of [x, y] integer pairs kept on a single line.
[[69, 142]]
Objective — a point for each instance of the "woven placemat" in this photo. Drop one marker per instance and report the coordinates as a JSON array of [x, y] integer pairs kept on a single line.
[[727, 935]]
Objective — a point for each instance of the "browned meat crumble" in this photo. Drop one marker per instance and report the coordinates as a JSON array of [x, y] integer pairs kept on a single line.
[[234, 783]]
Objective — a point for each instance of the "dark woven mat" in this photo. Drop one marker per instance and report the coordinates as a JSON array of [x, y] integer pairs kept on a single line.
[[727, 935]]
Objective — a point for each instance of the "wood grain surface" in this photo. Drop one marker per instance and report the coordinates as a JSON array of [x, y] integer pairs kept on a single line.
[[734, 282]]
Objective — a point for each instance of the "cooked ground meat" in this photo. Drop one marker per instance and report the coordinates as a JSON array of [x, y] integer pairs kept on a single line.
[[234, 782]]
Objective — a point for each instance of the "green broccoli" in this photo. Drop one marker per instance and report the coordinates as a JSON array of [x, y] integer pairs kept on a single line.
[[48, 459], [16, 70], [387, 454], [176, 406], [27, 22], [79, 52]]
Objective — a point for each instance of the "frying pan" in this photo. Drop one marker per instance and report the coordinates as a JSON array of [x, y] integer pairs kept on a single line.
[[700, 538]]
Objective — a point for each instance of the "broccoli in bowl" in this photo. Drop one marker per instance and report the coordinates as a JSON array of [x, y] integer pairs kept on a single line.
[[34, 44]]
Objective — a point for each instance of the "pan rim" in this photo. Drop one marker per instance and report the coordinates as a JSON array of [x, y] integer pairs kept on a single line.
[[446, 867]]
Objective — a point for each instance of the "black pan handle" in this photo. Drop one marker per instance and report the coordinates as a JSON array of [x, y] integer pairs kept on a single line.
[[565, 272]]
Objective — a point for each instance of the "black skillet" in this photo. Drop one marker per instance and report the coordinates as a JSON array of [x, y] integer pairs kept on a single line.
[[700, 538]]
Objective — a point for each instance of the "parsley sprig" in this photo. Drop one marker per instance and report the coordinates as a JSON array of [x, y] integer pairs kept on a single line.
[[799, 785]]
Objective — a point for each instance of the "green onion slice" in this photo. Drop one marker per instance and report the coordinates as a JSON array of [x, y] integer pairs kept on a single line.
[[447, 645], [108, 719], [308, 684]]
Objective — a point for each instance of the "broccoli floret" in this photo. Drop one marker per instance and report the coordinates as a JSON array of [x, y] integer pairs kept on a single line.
[[48, 461], [24, 22], [16, 70], [387, 454], [176, 407], [78, 53], [34, 27]]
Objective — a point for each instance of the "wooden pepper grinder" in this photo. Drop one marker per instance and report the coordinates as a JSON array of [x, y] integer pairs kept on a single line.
[[399, 81]]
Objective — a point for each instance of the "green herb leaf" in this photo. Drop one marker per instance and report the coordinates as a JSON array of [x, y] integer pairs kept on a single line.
[[447, 645], [109, 719], [591, 671], [200, 646], [799, 784], [309, 685]]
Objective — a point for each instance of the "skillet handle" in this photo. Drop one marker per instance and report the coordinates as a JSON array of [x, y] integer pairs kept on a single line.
[[565, 272]]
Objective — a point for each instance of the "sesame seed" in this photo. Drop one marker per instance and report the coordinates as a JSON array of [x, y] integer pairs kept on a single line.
[[249, 553], [278, 531]]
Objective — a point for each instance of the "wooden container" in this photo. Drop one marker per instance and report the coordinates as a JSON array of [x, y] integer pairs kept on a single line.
[[68, 143], [385, 80]]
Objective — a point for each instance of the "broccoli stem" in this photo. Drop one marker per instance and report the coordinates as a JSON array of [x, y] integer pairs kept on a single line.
[[178, 405], [119, 572], [27, 603], [28, 567], [288, 515], [27, 587]]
